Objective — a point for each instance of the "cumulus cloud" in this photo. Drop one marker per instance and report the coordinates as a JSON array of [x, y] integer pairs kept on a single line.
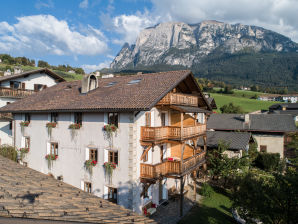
[[84, 4], [91, 68], [128, 26], [45, 34], [44, 4]]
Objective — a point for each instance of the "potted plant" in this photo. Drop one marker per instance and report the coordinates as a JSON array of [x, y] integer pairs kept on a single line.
[[24, 124], [110, 129], [73, 128], [23, 152], [50, 158], [109, 168], [50, 126], [89, 164]]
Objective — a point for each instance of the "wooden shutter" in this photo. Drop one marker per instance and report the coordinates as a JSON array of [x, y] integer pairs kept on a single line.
[[148, 119], [23, 85]]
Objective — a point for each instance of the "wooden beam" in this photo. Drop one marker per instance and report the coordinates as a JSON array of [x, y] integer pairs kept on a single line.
[[181, 196], [182, 152], [145, 152], [195, 184]]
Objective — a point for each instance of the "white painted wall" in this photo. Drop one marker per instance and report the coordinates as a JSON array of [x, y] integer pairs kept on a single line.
[[275, 143], [38, 78]]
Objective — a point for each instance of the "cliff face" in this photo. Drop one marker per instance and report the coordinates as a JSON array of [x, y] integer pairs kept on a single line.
[[182, 44]]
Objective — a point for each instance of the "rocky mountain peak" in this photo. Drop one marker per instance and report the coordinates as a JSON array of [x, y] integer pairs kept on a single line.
[[177, 43]]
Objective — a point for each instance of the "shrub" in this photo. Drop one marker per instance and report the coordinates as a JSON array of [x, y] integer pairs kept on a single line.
[[8, 152], [268, 161], [207, 190]]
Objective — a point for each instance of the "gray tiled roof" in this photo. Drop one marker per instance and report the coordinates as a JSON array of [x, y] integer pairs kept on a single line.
[[278, 106], [257, 122], [42, 70], [121, 96], [236, 140], [26, 193]]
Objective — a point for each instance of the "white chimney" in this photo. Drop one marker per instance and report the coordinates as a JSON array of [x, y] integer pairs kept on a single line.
[[246, 118]]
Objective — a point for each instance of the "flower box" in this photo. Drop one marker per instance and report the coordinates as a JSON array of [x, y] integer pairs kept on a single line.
[[25, 123], [51, 157], [74, 126], [89, 164], [51, 124], [24, 150], [110, 128]]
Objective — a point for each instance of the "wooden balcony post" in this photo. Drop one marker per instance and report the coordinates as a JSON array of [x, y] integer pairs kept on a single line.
[[205, 143], [181, 124], [182, 152], [195, 184]]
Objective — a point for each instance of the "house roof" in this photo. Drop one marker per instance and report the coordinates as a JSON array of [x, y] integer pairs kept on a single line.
[[26, 193], [212, 103], [294, 113], [257, 122], [42, 70], [291, 106], [236, 140], [122, 93]]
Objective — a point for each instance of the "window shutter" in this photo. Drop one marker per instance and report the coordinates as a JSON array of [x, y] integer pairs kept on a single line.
[[49, 117], [105, 192], [148, 119], [87, 154], [82, 184], [23, 142], [105, 118], [48, 148], [106, 155]]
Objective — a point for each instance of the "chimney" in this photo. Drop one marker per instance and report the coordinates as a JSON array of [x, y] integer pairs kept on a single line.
[[246, 118], [89, 82]]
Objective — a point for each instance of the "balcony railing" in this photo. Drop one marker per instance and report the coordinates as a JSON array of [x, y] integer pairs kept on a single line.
[[15, 93], [171, 132], [179, 99], [172, 167]]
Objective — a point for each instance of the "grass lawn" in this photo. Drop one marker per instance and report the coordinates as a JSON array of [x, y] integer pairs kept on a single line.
[[248, 105], [213, 210]]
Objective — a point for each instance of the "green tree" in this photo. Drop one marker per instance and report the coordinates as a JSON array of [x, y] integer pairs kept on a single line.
[[43, 64], [268, 198], [231, 109]]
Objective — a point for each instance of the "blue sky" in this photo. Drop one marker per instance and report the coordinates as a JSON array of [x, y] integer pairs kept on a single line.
[[89, 33]]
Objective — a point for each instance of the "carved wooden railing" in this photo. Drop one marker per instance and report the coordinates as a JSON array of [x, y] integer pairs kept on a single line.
[[171, 167], [171, 132], [16, 93], [179, 99]]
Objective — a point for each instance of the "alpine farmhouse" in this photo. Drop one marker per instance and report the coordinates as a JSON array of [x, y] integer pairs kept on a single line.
[[17, 86], [128, 139]]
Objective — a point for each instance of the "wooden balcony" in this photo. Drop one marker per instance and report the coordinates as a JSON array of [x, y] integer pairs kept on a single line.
[[15, 93], [172, 168], [179, 99], [155, 134]]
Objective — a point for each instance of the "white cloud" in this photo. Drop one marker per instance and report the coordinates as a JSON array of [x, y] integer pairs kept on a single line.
[[128, 26], [44, 4], [45, 34], [92, 68], [84, 4]]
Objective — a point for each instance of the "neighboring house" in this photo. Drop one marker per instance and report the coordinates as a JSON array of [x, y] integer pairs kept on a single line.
[[7, 72], [268, 97], [289, 98], [285, 108], [238, 142], [28, 196], [211, 101], [160, 117], [17, 86], [267, 129]]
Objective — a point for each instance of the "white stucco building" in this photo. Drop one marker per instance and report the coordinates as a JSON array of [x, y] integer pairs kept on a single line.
[[17, 86], [159, 116]]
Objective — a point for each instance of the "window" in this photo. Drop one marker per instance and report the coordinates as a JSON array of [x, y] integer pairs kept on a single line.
[[23, 85], [54, 148], [145, 159], [54, 117], [135, 81], [10, 125], [15, 84], [7, 103], [112, 195], [110, 84], [27, 117], [27, 142], [113, 157], [93, 154], [113, 119], [39, 87], [163, 119], [148, 119], [263, 148], [25, 164], [88, 187], [78, 118]]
